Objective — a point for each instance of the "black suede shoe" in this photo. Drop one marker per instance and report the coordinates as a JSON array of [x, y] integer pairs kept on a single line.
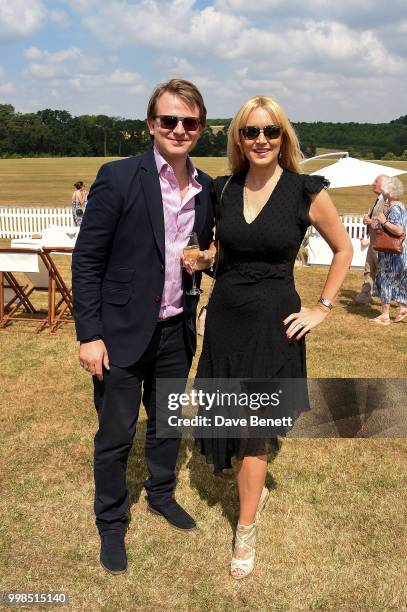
[[113, 556], [174, 514]]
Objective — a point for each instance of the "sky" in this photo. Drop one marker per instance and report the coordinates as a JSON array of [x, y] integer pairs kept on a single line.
[[322, 60]]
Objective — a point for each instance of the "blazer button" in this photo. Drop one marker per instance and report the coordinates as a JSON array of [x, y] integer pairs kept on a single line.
[[157, 298], [161, 268]]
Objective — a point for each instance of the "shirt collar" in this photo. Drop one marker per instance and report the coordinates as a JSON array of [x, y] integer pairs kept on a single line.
[[163, 165]]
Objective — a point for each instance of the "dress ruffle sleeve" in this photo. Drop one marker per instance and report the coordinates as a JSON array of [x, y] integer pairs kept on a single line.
[[311, 184]]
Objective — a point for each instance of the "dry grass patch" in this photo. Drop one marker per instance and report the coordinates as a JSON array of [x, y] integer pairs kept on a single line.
[[330, 537]]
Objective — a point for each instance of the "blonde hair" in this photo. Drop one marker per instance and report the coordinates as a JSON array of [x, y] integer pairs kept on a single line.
[[290, 152]]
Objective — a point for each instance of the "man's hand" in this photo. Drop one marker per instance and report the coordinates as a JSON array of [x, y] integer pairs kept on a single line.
[[367, 220], [93, 356]]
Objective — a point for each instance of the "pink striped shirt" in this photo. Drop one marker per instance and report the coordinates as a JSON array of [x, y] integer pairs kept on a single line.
[[179, 220]]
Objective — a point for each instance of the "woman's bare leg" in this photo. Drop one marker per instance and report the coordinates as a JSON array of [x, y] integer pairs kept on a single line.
[[251, 476]]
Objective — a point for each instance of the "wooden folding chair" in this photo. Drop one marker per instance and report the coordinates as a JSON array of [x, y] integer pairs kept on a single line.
[[29, 262], [61, 312], [13, 295]]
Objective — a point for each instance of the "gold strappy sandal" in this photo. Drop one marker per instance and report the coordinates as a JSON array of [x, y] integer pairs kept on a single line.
[[262, 502], [245, 539]]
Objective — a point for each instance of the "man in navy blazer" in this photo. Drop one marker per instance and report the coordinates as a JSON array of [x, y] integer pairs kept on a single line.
[[134, 319]]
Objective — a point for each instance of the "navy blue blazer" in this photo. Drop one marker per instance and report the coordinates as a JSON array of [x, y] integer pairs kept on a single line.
[[118, 263]]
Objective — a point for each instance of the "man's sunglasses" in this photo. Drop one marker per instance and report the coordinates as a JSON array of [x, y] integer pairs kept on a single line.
[[170, 122], [251, 132]]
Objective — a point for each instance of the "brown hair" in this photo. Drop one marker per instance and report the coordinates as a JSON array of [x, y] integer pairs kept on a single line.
[[79, 185], [290, 152], [185, 90]]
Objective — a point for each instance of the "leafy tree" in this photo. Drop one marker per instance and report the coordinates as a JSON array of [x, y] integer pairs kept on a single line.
[[56, 132]]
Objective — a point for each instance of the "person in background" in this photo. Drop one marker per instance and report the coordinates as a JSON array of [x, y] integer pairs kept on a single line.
[[365, 294], [79, 200], [391, 278]]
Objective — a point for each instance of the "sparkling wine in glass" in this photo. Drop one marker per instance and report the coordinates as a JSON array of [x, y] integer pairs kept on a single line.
[[191, 254]]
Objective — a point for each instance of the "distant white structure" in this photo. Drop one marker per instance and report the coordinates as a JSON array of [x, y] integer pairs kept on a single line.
[[352, 172], [319, 253], [21, 222]]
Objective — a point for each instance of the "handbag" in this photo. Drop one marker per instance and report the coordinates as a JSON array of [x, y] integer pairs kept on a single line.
[[386, 242], [202, 312]]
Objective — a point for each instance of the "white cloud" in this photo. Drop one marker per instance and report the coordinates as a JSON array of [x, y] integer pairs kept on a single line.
[[217, 32], [59, 18], [20, 19], [116, 79], [359, 15], [57, 57], [5, 86], [327, 45], [61, 64], [46, 65], [175, 65], [321, 59], [74, 70], [173, 25], [83, 6]]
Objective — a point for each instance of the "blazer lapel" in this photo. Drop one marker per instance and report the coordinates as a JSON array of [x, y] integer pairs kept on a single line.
[[199, 210], [152, 191]]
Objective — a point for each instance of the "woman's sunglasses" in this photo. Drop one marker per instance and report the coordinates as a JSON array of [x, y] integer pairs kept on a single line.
[[170, 122], [251, 132]]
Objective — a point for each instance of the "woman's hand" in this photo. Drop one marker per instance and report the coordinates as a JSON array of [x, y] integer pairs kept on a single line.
[[381, 217], [305, 320], [205, 260]]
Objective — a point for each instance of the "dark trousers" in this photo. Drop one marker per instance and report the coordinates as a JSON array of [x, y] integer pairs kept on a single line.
[[117, 401]]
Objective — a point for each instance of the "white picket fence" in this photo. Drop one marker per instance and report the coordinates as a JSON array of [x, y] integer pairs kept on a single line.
[[21, 222], [319, 253]]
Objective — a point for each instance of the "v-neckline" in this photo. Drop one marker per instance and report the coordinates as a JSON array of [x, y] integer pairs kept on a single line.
[[266, 203]]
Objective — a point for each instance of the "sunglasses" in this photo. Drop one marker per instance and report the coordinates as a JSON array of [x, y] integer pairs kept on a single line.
[[251, 132], [170, 122]]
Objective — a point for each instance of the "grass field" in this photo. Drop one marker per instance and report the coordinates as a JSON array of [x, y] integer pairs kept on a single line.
[[49, 182], [332, 537]]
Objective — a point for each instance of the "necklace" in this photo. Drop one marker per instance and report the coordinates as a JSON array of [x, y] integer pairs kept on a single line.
[[249, 210]]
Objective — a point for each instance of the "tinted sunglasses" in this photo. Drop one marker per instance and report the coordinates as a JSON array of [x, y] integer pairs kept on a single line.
[[251, 132], [170, 122]]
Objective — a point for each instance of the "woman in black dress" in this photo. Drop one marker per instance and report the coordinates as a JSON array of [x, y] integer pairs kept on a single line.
[[255, 325]]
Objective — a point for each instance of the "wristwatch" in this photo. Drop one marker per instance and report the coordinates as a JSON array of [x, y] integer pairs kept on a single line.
[[325, 302]]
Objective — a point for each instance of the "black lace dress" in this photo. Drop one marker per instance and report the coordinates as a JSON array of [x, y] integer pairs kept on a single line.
[[254, 292]]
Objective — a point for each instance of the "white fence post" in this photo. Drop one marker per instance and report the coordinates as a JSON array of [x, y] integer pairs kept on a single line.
[[319, 253], [22, 222]]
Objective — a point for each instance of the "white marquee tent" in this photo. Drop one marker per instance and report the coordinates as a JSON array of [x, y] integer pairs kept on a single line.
[[352, 172]]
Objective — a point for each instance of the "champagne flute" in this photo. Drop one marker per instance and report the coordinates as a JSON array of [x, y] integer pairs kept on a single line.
[[191, 254]]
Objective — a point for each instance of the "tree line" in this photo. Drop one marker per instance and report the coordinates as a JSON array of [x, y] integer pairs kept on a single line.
[[58, 133]]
